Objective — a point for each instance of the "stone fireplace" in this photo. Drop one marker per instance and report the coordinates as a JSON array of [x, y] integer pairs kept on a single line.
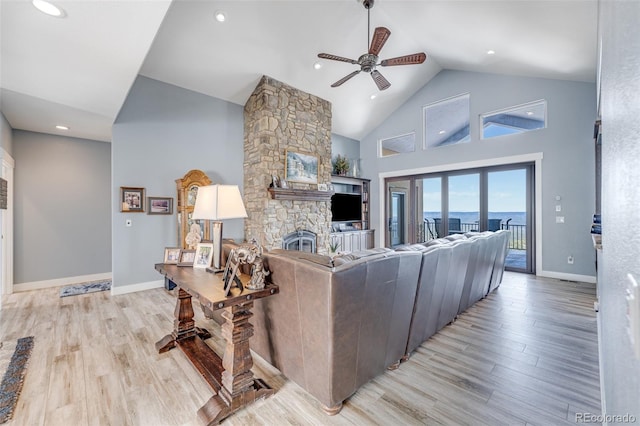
[[277, 118]]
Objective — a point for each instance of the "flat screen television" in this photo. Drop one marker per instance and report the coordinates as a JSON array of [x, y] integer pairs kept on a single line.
[[346, 207]]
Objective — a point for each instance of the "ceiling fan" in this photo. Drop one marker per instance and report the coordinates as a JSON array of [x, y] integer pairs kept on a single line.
[[369, 61]]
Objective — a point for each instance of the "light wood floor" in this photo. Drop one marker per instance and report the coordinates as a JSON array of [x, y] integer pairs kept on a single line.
[[527, 354]]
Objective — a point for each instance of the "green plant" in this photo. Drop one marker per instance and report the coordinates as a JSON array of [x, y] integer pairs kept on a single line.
[[340, 165], [334, 246]]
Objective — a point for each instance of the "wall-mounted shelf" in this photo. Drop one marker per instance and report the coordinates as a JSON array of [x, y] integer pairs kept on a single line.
[[299, 194]]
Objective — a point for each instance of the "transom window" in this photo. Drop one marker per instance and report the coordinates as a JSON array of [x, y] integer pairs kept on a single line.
[[513, 120], [397, 145], [446, 122]]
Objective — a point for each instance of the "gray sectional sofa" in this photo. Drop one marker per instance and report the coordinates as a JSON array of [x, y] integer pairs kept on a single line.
[[337, 323], [456, 272]]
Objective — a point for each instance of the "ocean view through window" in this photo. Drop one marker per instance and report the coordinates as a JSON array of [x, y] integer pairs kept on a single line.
[[487, 199]]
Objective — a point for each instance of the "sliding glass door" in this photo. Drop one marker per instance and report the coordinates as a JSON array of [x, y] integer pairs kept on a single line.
[[509, 194], [421, 208]]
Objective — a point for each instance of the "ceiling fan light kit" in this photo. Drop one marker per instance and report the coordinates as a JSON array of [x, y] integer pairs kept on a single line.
[[369, 61]]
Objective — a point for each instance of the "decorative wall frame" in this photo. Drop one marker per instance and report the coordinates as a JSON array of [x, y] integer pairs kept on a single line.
[[131, 199], [159, 205], [300, 167]]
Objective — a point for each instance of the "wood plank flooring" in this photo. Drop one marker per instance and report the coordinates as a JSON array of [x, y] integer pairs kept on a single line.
[[527, 354]]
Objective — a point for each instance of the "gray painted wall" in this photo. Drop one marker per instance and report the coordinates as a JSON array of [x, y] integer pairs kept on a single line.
[[161, 133], [620, 108], [567, 146], [6, 138], [62, 220], [344, 146]]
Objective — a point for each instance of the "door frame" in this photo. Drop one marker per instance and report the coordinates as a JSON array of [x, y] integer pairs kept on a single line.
[[535, 158], [6, 219]]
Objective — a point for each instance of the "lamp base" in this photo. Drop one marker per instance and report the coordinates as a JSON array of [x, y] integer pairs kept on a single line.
[[215, 270]]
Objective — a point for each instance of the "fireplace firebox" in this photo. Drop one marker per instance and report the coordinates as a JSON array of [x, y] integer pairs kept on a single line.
[[301, 241]]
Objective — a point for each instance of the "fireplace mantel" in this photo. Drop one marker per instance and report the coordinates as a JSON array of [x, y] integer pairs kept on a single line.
[[299, 194]]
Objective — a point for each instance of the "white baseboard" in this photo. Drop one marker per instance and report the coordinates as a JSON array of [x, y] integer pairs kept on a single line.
[[58, 282], [568, 277], [131, 288]]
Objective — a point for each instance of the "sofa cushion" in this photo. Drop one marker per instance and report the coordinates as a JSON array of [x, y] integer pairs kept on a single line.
[[455, 237], [311, 257], [350, 257]]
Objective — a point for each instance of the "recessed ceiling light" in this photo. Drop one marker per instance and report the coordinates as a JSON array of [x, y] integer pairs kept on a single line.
[[59, 127], [529, 112], [374, 96], [442, 132], [48, 8], [220, 16], [491, 52], [317, 65]]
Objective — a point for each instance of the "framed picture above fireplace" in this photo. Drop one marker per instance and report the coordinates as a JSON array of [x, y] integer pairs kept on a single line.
[[301, 167]]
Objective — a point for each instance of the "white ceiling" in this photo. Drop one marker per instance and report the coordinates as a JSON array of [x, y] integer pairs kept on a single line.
[[77, 70]]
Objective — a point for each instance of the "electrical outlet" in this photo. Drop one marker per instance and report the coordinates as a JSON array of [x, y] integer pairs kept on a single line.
[[570, 260], [128, 222], [558, 207]]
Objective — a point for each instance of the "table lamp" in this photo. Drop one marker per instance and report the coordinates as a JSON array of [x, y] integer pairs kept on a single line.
[[218, 202]]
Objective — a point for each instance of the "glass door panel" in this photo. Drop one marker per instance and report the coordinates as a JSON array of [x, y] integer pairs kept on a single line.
[[507, 209], [464, 203], [398, 212], [429, 193]]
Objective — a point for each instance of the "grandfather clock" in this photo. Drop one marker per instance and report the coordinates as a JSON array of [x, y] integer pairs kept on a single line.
[[187, 187]]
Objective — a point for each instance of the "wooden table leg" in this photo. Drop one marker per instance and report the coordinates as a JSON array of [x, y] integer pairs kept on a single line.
[[183, 325], [239, 388]]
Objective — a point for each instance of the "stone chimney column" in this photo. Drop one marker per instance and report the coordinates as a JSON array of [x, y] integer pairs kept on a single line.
[[278, 117]]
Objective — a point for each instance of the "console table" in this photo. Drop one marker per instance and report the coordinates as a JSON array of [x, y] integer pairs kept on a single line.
[[230, 377]]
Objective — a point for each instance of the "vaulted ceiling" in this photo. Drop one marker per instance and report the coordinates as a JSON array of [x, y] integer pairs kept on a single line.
[[77, 70]]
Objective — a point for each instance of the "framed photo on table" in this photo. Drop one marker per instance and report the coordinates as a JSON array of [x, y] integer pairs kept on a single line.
[[187, 257], [131, 199], [230, 271], [203, 256], [171, 255]]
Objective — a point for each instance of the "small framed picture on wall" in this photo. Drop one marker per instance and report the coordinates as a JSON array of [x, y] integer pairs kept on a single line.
[[160, 205], [131, 199]]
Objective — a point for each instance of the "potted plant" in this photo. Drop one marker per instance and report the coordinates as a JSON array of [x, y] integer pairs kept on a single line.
[[340, 165], [333, 248]]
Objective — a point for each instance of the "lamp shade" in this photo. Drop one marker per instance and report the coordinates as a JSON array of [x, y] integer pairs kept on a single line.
[[216, 202]]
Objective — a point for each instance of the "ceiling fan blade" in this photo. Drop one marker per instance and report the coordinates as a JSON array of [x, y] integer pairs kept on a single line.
[[380, 37], [345, 78], [336, 58], [381, 82], [416, 58]]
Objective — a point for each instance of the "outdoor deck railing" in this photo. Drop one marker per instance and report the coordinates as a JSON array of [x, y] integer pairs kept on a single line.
[[518, 241]]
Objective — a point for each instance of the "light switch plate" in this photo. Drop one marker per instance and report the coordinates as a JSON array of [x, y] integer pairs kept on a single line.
[[558, 207], [559, 219]]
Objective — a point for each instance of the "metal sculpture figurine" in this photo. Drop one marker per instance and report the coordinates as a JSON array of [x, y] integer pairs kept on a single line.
[[251, 254]]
